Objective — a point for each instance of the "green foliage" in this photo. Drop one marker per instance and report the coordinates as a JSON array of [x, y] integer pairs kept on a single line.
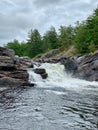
[[15, 45], [24, 47], [34, 43], [86, 39], [92, 47], [50, 40], [84, 36], [81, 42], [66, 35]]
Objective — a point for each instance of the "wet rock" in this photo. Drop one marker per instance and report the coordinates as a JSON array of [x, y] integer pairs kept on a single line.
[[10, 82], [70, 64], [84, 67], [39, 71], [44, 76], [42, 72]]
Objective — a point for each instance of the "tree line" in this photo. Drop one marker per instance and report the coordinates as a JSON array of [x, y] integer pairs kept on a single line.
[[83, 36]]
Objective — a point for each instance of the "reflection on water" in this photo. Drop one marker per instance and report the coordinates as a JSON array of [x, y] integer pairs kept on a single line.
[[48, 109]]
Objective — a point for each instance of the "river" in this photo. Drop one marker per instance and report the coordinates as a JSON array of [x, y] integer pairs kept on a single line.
[[59, 102]]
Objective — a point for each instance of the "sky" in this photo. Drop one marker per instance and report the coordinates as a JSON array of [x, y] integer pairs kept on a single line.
[[18, 17]]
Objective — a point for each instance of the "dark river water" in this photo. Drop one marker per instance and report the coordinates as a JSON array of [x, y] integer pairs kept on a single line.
[[50, 107]]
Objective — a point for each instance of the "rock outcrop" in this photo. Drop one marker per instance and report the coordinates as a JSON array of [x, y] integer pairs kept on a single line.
[[88, 67], [48, 57], [84, 67], [13, 71]]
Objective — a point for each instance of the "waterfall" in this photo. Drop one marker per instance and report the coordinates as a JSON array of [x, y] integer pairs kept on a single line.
[[57, 77]]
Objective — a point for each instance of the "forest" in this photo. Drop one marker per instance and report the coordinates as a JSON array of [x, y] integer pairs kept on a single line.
[[83, 36]]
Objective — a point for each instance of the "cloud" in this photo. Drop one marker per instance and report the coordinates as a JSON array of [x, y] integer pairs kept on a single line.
[[18, 17], [45, 3]]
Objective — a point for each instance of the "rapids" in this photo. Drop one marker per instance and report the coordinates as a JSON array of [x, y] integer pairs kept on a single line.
[[60, 102]]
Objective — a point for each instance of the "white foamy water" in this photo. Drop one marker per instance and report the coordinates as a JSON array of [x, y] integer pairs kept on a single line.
[[57, 77]]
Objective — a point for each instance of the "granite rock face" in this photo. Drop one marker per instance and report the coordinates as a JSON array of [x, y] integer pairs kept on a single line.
[[88, 67], [84, 67]]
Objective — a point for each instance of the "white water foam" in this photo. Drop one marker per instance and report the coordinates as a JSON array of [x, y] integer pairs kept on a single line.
[[57, 77]]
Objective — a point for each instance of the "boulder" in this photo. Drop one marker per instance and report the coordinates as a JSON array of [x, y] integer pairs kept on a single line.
[[39, 70], [44, 75], [42, 72]]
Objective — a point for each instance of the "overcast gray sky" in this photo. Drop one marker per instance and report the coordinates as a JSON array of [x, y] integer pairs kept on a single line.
[[17, 17]]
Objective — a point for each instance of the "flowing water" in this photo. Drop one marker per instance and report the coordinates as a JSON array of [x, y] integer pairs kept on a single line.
[[59, 102]]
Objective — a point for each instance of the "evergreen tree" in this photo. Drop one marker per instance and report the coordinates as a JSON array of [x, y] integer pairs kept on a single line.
[[34, 42], [66, 35], [50, 40], [81, 42], [86, 39]]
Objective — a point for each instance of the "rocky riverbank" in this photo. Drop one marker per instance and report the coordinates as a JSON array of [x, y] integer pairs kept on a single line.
[[83, 67], [13, 71]]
